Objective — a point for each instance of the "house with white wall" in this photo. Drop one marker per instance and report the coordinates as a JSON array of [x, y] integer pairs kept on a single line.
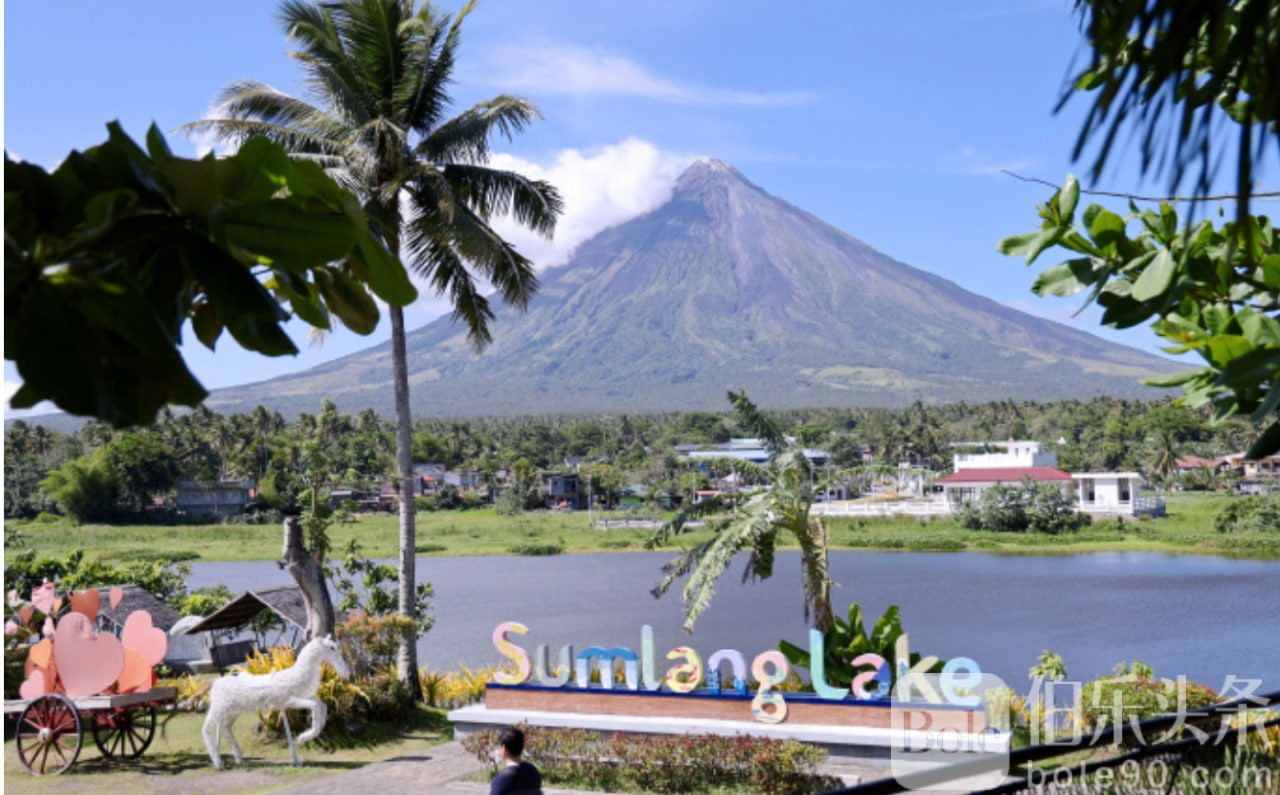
[[1114, 494], [1096, 493]]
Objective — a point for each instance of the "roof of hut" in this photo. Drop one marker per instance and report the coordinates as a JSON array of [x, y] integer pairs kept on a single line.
[[285, 601], [137, 598]]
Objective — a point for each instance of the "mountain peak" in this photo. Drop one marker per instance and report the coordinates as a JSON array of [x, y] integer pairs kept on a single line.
[[705, 171], [723, 285]]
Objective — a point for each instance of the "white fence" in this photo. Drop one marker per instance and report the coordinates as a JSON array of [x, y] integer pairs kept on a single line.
[[883, 508]]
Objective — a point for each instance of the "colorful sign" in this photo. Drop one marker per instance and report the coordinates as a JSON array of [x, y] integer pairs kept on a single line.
[[769, 669]]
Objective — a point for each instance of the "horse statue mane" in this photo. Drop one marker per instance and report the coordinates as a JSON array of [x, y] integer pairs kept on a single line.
[[291, 688]]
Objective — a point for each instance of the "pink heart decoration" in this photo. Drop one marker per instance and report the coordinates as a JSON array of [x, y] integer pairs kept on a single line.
[[34, 686], [86, 603], [87, 663], [136, 676], [141, 636], [43, 597], [115, 595]]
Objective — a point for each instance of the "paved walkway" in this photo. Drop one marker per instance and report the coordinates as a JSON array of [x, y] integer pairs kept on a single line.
[[443, 770]]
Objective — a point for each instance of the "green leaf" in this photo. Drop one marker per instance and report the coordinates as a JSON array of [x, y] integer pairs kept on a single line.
[[206, 324], [1065, 279], [348, 300], [1045, 239], [1173, 379], [1106, 229], [388, 278], [1016, 244], [282, 231], [1267, 444], [1224, 348], [1258, 328], [1250, 369], [1270, 267], [1068, 198], [1156, 278]]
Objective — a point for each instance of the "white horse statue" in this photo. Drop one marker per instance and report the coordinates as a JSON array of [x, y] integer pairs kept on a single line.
[[291, 688]]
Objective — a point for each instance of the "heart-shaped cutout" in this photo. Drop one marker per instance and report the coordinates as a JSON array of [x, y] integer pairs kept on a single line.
[[115, 595], [88, 663], [41, 654], [142, 636], [86, 603], [136, 675], [43, 597], [33, 687], [50, 671]]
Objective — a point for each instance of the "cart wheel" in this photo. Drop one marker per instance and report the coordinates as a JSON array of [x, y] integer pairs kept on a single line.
[[125, 733], [49, 735]]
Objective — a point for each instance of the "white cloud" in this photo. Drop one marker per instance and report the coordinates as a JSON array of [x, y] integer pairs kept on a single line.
[[12, 385], [544, 69], [600, 187]]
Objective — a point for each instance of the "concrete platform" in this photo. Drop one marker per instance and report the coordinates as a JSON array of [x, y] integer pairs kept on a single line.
[[853, 745]]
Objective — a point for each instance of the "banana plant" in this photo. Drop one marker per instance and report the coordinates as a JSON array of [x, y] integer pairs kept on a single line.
[[847, 640]]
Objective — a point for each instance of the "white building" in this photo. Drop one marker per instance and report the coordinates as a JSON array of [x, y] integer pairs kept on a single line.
[[1114, 493], [1105, 493], [1006, 455]]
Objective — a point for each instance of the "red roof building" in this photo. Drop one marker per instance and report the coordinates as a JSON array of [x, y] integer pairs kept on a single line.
[[1007, 475]]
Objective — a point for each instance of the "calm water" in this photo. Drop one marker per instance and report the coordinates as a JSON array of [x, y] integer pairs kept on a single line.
[[1204, 617]]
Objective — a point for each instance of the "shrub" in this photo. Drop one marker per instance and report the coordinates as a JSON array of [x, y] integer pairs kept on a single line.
[[1022, 507], [532, 549], [453, 689], [664, 763], [204, 601], [193, 693], [1245, 514], [1135, 694], [370, 643]]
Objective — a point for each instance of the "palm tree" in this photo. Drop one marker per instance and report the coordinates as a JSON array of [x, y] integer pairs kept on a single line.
[[783, 508], [379, 71]]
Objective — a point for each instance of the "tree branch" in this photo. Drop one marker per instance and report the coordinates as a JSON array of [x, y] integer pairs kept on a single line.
[[1136, 197]]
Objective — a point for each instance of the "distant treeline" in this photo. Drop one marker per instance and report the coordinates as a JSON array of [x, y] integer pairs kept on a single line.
[[100, 472]]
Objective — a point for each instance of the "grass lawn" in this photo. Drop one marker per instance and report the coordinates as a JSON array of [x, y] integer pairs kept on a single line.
[[1187, 529], [177, 761]]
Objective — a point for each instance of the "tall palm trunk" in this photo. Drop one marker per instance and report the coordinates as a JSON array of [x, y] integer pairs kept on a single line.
[[407, 658]]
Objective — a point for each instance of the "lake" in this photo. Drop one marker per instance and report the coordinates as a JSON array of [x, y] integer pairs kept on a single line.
[[1205, 617]]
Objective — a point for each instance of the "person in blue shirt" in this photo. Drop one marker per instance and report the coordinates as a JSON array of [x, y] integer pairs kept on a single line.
[[518, 777]]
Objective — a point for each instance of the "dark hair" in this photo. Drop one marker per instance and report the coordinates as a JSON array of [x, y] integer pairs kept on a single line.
[[512, 739]]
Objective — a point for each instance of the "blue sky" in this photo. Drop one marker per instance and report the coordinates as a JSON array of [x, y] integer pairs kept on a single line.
[[892, 121]]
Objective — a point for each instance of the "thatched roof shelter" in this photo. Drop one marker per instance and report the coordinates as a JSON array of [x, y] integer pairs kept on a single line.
[[136, 598], [285, 601]]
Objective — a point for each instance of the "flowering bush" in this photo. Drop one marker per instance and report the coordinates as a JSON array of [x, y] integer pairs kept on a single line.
[[664, 763], [1108, 702], [453, 689]]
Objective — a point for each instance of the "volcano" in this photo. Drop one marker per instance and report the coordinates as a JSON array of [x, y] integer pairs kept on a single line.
[[726, 287]]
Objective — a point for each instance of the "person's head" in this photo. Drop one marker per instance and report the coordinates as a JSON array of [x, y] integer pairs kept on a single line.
[[512, 742]]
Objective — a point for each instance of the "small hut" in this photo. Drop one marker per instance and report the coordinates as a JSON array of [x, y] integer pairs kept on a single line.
[[134, 598], [284, 601]]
